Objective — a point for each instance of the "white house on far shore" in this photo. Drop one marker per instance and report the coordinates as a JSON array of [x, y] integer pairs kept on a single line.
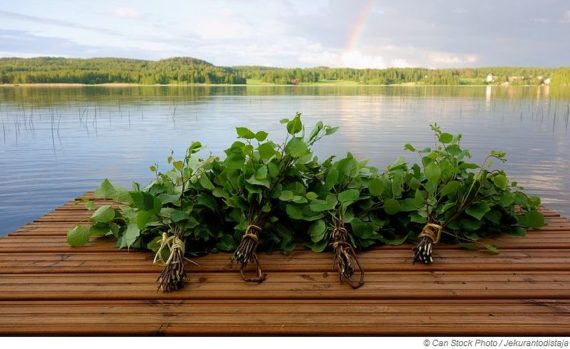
[[489, 78]]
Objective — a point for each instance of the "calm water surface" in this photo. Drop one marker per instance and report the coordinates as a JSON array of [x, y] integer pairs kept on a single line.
[[57, 143]]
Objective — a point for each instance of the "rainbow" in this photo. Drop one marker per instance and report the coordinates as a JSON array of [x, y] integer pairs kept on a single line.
[[358, 28]]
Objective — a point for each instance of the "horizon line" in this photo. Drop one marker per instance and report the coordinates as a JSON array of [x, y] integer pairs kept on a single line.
[[283, 67]]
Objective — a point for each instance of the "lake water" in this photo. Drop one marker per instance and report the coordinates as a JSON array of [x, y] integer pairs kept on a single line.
[[57, 143]]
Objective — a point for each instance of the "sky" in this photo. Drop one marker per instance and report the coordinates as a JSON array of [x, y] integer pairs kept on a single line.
[[295, 33]]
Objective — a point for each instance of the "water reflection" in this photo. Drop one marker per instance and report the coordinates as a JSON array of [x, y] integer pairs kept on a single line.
[[60, 142]]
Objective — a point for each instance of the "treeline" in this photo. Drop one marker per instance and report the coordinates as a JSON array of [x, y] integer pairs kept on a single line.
[[186, 70], [391, 76], [182, 70]]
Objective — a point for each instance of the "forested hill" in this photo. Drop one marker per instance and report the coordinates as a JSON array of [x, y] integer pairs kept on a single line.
[[180, 70], [187, 70]]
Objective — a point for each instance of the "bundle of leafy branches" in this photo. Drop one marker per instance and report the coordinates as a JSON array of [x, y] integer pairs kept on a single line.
[[265, 195], [463, 202], [253, 179], [174, 216], [340, 208]]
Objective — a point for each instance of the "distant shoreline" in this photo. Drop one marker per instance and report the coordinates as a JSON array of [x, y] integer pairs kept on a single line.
[[112, 85]]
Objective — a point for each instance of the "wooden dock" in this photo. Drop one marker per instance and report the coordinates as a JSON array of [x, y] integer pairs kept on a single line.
[[49, 288]]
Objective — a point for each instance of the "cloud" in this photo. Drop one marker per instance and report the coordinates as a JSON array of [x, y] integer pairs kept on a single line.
[[126, 12], [451, 59], [351, 59], [401, 63], [17, 43], [297, 33], [55, 22]]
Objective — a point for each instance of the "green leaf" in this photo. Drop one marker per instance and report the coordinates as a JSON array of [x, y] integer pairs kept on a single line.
[[261, 172], [491, 248], [294, 212], [361, 229], [330, 130], [206, 183], [323, 205], [234, 161], [450, 188], [244, 132], [534, 219], [296, 147], [416, 218], [272, 169], [104, 214], [471, 224], [207, 201], [468, 166], [142, 219], [317, 230], [319, 247], [179, 165], [347, 166], [332, 178], [154, 244], [478, 210], [105, 190], [294, 126], [131, 234], [194, 147], [391, 206], [445, 138], [408, 205], [501, 181], [267, 150], [261, 136], [145, 201], [226, 243], [286, 195], [311, 195], [314, 133], [376, 187], [90, 205], [409, 147], [347, 196], [78, 236], [99, 229], [395, 241], [507, 199], [169, 198], [263, 182], [419, 198], [433, 173]]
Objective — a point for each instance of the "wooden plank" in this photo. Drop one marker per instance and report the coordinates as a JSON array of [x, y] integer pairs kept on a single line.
[[284, 317], [304, 261], [153, 306], [287, 317], [419, 285], [364, 329], [47, 287], [19, 244]]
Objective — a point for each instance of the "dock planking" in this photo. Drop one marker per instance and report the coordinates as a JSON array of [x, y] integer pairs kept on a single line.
[[49, 288]]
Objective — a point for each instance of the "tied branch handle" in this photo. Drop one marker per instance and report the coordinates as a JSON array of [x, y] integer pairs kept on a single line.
[[173, 276], [430, 235], [345, 260], [245, 254]]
